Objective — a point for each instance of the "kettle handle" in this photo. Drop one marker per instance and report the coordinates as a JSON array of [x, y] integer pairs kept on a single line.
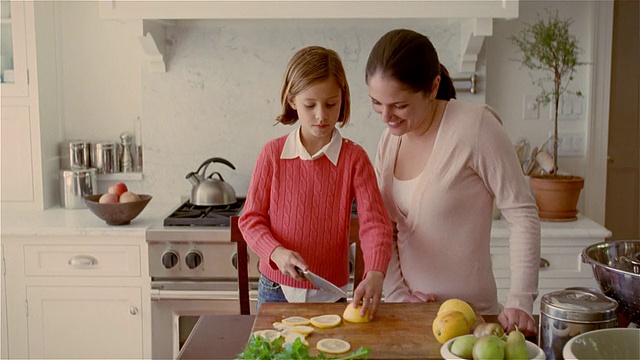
[[214, 159]]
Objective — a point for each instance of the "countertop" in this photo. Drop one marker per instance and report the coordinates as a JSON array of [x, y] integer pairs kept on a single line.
[[57, 221], [232, 332]]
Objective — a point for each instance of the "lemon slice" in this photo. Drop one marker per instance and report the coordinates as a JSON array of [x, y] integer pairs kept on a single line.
[[333, 346], [269, 334], [295, 321], [292, 336], [301, 329], [326, 321]]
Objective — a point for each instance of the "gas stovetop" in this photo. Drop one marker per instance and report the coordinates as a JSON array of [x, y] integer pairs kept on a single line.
[[189, 214]]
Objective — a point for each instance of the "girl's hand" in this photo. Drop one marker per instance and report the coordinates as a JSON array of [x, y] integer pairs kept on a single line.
[[369, 292], [417, 296], [512, 316], [287, 260]]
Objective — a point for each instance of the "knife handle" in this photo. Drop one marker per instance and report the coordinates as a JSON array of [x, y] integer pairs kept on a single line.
[[299, 271]]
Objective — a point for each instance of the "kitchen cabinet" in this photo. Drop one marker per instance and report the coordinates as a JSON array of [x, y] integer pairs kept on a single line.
[[13, 69], [77, 297], [30, 126], [561, 264], [340, 9], [4, 341]]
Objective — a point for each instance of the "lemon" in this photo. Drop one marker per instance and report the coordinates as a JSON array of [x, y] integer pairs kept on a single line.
[[295, 321], [326, 321], [352, 314], [459, 305], [450, 324], [333, 346]]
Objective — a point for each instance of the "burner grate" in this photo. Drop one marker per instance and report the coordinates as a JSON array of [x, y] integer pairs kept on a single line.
[[189, 214]]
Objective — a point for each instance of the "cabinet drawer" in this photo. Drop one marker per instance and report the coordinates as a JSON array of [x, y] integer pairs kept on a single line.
[[94, 260], [560, 260]]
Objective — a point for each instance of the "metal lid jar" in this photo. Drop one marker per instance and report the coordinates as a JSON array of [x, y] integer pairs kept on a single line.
[[570, 312]]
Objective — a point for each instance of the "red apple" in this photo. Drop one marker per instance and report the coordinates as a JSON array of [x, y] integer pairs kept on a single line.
[[108, 199], [128, 196], [118, 189]]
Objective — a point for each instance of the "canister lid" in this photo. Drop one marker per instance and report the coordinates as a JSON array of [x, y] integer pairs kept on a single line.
[[579, 304]]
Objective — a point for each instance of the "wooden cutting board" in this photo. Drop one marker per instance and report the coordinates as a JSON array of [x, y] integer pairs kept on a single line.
[[399, 331]]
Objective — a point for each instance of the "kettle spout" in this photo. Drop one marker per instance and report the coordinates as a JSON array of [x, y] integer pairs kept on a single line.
[[193, 178]]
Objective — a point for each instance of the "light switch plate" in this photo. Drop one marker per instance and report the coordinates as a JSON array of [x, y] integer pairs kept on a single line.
[[530, 107]]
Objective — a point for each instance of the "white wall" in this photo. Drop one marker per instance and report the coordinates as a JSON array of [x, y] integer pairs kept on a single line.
[[221, 88]]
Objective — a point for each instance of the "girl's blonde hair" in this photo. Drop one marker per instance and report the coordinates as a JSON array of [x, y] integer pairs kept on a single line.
[[307, 67]]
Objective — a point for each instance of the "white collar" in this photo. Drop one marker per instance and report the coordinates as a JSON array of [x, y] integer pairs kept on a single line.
[[293, 148]]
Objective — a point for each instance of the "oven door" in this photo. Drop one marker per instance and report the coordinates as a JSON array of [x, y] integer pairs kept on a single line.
[[176, 307]]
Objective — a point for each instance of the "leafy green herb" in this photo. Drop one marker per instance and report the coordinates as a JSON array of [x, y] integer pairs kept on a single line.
[[263, 349]]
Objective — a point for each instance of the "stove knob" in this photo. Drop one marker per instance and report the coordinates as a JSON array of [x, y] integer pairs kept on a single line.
[[169, 259], [193, 259]]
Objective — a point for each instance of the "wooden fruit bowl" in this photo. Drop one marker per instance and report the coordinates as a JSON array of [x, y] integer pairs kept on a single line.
[[119, 213]]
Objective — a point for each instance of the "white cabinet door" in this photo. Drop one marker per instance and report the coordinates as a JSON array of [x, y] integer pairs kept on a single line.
[[85, 322], [13, 64], [16, 154]]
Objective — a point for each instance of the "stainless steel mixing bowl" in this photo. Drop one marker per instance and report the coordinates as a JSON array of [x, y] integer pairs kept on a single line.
[[616, 268]]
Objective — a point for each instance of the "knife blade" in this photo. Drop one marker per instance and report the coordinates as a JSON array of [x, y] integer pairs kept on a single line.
[[320, 282]]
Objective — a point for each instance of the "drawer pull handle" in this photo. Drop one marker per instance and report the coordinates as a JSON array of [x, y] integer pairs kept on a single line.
[[544, 263], [133, 310], [83, 261]]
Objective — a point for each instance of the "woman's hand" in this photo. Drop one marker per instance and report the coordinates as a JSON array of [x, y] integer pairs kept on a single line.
[[417, 296], [287, 260], [369, 291], [510, 317]]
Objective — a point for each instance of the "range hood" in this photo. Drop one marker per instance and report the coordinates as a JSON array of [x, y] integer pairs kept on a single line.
[[476, 17]]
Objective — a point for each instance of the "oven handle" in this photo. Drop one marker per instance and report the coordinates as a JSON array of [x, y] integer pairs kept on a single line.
[[159, 295]]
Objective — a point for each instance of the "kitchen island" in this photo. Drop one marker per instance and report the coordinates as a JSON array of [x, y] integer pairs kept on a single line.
[[400, 331]]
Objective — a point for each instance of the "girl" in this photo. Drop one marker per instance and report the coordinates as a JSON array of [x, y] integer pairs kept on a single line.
[[298, 205]]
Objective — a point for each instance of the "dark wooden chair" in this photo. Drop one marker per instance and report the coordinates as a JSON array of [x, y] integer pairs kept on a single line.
[[243, 266], [354, 237]]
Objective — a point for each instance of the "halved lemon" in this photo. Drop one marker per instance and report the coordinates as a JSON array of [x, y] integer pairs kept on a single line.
[[333, 346], [295, 321], [352, 314], [326, 321], [280, 326]]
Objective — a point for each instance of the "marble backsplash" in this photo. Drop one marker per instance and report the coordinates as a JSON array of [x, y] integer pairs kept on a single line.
[[221, 91]]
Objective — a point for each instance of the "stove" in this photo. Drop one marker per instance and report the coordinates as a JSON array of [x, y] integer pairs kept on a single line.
[[189, 214]]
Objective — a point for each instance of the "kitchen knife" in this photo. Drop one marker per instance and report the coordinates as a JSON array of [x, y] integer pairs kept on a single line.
[[320, 282]]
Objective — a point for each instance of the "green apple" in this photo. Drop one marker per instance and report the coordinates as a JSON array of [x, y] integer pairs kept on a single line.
[[462, 346], [488, 347]]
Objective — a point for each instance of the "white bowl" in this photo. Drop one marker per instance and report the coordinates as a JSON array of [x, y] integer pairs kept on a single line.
[[611, 344], [535, 352]]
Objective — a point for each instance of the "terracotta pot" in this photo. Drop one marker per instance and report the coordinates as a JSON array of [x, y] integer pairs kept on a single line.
[[557, 196]]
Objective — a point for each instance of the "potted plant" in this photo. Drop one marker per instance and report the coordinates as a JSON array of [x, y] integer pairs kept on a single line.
[[546, 47]]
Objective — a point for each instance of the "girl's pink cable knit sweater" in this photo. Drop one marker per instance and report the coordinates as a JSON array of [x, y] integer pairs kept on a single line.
[[305, 206]]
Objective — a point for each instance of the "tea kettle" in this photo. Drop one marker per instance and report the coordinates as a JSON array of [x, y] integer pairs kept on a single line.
[[208, 191]]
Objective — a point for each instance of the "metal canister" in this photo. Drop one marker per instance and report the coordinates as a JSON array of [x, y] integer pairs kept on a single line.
[[570, 312], [74, 185], [105, 157], [79, 154]]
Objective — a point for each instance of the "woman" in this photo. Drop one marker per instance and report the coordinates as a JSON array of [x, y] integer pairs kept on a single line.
[[441, 163]]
